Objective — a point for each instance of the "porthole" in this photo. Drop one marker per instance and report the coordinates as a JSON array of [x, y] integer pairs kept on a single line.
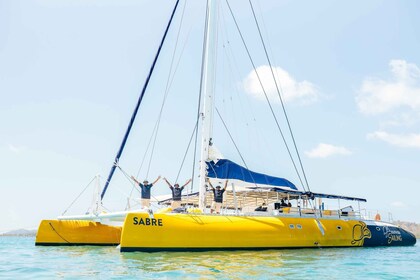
[[378, 228], [339, 227], [291, 226], [299, 226]]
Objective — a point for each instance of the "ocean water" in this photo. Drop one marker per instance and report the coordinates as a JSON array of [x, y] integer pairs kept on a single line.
[[20, 259]]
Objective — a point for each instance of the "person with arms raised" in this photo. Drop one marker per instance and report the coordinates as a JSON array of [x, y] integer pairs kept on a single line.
[[145, 191], [218, 197], [176, 193]]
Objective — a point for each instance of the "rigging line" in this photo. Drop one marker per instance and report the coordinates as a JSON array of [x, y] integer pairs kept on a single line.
[[236, 147], [186, 152], [175, 48], [168, 85], [233, 66], [266, 97], [199, 97], [236, 68], [126, 175], [241, 111], [65, 211], [133, 117], [179, 58], [228, 100], [281, 99], [107, 209], [154, 129], [265, 30], [147, 150], [253, 119], [133, 186]]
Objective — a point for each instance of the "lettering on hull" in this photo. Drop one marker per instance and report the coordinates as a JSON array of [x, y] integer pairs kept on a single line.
[[147, 222], [392, 235]]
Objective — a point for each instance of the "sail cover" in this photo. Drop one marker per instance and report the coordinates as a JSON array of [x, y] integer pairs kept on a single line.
[[226, 169]]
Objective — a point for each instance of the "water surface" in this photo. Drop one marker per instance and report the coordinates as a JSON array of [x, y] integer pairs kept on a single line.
[[19, 258]]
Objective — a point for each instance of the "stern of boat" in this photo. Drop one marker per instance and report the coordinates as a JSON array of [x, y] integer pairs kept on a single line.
[[76, 232]]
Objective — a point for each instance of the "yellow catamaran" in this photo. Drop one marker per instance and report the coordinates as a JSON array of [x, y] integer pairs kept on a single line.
[[253, 216]]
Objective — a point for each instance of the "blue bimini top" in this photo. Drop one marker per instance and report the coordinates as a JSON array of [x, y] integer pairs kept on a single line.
[[226, 169]]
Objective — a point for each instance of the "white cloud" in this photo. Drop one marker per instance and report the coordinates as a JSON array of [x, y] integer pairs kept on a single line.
[[398, 204], [411, 140], [327, 150], [405, 119], [303, 92], [398, 99], [378, 96], [16, 149]]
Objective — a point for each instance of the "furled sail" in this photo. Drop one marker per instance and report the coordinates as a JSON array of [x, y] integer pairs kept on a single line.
[[226, 169]]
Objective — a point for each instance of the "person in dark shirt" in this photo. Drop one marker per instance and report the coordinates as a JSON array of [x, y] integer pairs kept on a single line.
[[218, 197], [176, 193], [283, 203], [145, 191], [261, 208]]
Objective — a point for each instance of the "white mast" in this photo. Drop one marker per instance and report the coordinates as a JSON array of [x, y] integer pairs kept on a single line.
[[208, 82]]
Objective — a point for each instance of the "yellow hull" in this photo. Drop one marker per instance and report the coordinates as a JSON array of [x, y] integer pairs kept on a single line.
[[176, 232], [76, 232]]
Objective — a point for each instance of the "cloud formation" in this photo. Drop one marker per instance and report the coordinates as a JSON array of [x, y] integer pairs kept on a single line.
[[397, 99], [378, 96], [303, 92], [327, 150], [411, 140], [16, 149]]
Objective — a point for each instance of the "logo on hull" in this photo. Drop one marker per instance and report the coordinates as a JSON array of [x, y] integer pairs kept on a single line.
[[360, 232]]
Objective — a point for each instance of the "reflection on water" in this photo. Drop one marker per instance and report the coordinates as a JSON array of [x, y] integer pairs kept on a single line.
[[240, 263], [295, 263], [207, 263], [19, 258]]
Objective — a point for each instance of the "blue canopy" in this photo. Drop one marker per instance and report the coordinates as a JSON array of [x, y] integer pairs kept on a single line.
[[226, 169], [312, 195]]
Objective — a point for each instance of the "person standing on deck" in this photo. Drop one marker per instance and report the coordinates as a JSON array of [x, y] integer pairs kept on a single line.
[[218, 197], [176, 193], [145, 191]]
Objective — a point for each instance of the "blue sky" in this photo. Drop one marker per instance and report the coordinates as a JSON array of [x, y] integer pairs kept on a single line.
[[71, 72]]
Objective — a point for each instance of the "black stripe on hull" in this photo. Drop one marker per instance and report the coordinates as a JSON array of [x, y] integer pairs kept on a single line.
[[207, 249], [75, 244]]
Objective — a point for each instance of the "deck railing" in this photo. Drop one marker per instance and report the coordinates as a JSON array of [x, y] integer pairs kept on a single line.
[[304, 212]]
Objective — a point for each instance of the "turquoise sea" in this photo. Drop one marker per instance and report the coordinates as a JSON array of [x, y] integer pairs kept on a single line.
[[20, 259]]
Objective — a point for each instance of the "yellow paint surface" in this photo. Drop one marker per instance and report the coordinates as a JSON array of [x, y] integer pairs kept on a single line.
[[76, 232], [218, 231]]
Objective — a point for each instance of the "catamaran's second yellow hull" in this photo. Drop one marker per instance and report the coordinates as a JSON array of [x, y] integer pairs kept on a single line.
[[176, 232], [76, 232]]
